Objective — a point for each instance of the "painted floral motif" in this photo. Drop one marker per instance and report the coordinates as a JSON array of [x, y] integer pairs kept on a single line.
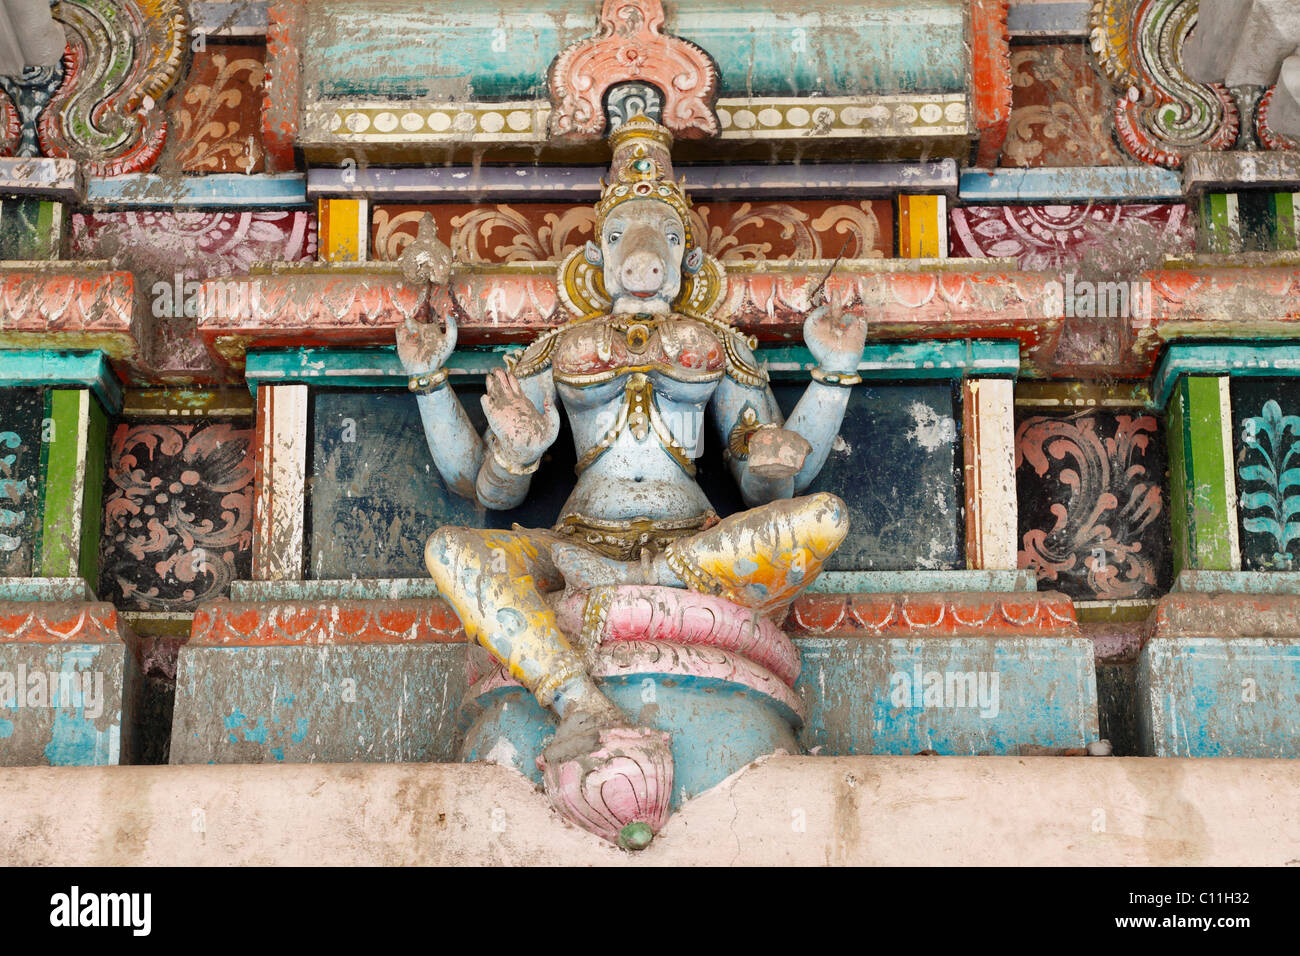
[[1052, 237], [178, 514], [732, 232], [200, 243], [1269, 472], [1059, 110], [1093, 520], [219, 112]]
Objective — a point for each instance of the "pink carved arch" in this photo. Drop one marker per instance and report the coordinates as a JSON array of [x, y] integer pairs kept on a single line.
[[631, 45]]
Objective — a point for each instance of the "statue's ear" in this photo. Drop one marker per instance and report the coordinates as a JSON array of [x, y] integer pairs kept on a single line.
[[593, 254], [694, 261]]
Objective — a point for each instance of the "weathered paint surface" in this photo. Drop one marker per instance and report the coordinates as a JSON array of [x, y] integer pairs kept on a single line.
[[1202, 488], [327, 703], [61, 704], [717, 727], [69, 683], [72, 466], [959, 695], [1219, 697], [363, 51]]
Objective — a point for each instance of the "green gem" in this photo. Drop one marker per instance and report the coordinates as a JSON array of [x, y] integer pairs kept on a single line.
[[635, 836], [641, 165]]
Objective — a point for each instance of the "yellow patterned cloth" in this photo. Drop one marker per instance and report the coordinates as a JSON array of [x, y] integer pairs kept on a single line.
[[495, 580]]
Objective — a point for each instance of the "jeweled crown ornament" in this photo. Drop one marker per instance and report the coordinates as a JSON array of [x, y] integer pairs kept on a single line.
[[642, 168]]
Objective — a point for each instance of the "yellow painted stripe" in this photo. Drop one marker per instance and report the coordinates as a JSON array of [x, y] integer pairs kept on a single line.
[[922, 227], [344, 227]]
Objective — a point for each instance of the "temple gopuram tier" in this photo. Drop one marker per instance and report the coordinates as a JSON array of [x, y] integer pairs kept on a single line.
[[421, 418]]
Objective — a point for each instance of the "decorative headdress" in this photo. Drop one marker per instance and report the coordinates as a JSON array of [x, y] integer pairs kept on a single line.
[[641, 168]]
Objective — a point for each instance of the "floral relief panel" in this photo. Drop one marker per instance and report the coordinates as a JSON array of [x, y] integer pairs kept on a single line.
[[21, 413], [178, 513], [1093, 501], [1099, 238], [1060, 109], [1266, 426], [219, 112], [732, 231]]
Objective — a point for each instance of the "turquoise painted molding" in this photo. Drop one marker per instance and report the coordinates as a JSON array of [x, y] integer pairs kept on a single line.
[[358, 589], [1221, 358], [379, 368], [45, 589], [48, 367], [469, 50], [1070, 184], [216, 189], [1238, 582], [829, 582], [899, 582]]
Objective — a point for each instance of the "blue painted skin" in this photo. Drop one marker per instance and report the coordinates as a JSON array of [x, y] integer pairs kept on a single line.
[[642, 254]]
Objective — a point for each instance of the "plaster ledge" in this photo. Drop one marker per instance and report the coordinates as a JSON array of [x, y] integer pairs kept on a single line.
[[793, 810]]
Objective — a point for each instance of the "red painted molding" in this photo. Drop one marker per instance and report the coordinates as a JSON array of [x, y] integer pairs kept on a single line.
[[41, 622], [71, 310], [494, 307], [283, 90], [990, 77], [299, 623], [631, 46], [1046, 614]]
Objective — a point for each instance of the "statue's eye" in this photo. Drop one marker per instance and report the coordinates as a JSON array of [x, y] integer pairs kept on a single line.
[[675, 239], [614, 237]]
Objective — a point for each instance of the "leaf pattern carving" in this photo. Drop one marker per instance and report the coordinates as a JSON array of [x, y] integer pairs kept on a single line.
[[1110, 500], [1270, 480]]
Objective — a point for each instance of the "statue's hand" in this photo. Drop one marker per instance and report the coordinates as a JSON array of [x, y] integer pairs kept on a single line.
[[777, 452], [523, 433], [422, 347], [835, 340]]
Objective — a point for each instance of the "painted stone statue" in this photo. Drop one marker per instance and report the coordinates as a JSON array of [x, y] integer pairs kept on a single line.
[[637, 554]]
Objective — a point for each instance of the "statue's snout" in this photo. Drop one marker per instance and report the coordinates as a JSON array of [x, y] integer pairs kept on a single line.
[[642, 272]]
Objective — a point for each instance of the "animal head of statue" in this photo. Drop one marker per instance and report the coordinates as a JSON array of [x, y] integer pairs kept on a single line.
[[644, 241], [644, 257]]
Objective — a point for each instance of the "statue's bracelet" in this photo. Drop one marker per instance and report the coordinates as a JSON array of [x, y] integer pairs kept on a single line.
[[836, 378], [519, 471], [424, 384]]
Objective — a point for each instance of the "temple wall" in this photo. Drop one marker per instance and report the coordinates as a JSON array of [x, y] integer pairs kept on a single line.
[[1071, 461]]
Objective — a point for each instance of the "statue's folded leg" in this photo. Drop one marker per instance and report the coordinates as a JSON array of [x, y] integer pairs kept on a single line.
[[492, 580], [763, 558]]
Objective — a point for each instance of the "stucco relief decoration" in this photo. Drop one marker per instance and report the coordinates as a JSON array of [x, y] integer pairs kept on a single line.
[[1051, 237], [1161, 114], [123, 58], [179, 514], [732, 232], [1108, 498], [631, 45]]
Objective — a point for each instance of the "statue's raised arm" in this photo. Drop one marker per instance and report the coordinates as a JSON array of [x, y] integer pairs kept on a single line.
[[523, 420]]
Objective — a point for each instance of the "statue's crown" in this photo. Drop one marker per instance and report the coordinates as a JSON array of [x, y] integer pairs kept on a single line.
[[642, 169]]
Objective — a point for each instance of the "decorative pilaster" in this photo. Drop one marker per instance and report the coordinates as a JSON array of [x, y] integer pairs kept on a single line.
[[74, 432], [1203, 495], [280, 482], [988, 443], [923, 227], [344, 230]]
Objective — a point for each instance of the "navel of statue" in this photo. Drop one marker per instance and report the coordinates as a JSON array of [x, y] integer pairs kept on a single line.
[[636, 369]]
